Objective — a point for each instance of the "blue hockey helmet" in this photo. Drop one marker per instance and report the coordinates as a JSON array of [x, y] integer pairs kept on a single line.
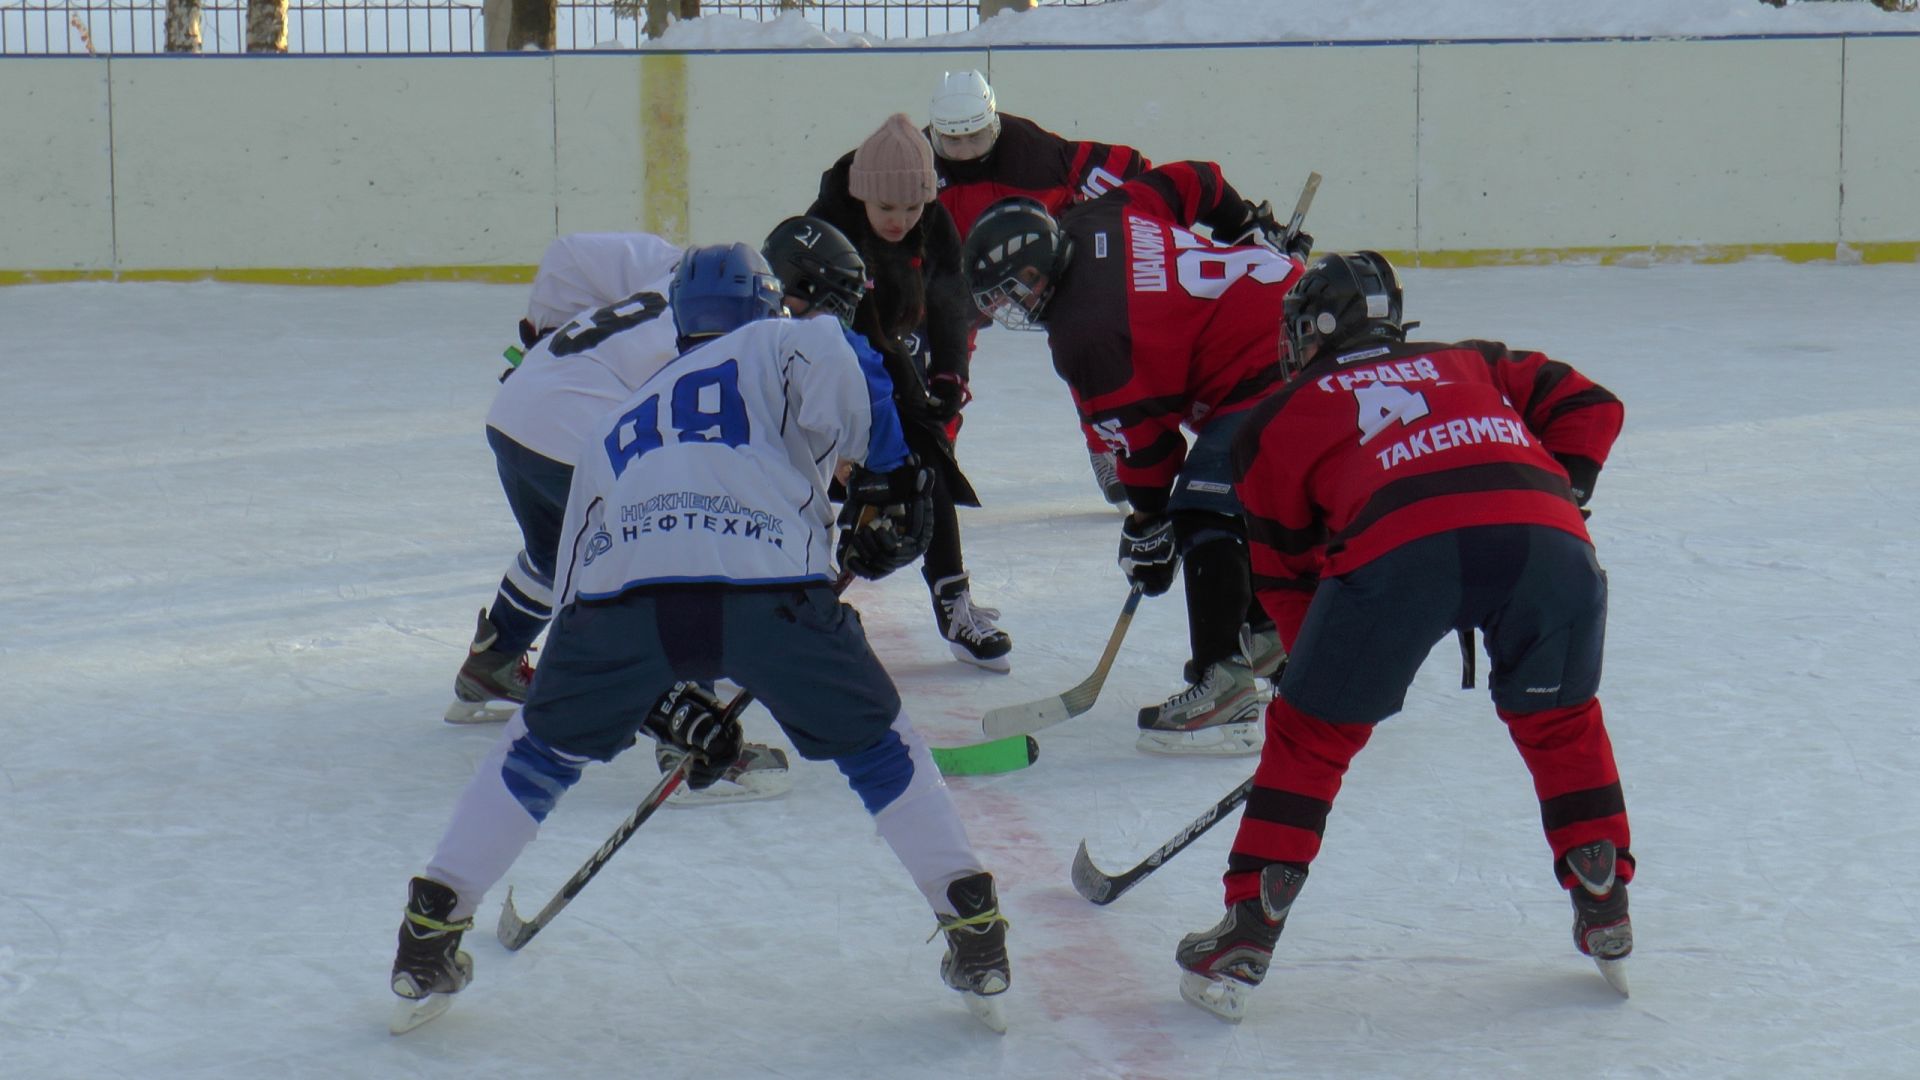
[[720, 288]]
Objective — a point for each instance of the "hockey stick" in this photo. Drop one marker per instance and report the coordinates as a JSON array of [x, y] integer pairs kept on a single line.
[[515, 932], [1103, 888], [1035, 715], [987, 758], [1300, 211]]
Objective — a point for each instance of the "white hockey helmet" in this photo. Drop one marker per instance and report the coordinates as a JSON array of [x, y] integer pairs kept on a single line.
[[963, 104]]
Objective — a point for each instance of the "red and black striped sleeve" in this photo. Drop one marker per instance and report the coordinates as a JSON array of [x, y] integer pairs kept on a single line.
[[1286, 533], [1095, 168], [1187, 193], [1573, 416]]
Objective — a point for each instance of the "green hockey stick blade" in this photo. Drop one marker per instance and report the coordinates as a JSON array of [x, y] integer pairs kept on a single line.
[[987, 758]]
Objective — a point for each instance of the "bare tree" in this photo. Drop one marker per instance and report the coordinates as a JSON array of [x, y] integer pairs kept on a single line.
[[661, 13], [990, 8], [266, 26], [183, 26]]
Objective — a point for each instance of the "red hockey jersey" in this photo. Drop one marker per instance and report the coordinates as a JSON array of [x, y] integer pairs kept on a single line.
[[1029, 160], [1153, 326], [1369, 449]]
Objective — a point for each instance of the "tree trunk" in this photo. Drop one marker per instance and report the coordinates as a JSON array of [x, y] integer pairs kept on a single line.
[[183, 26], [496, 17], [532, 25], [661, 13], [990, 8], [266, 26]]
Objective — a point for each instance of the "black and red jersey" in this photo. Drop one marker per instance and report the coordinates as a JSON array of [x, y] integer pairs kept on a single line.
[[1029, 160], [1368, 449], [1153, 326]]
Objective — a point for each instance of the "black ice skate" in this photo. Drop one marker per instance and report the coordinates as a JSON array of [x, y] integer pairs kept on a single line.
[[428, 967], [969, 628], [976, 959], [491, 684], [1601, 928], [1220, 965]]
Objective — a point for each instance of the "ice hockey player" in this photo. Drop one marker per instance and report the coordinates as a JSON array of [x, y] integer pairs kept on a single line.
[[881, 196], [983, 155], [579, 363], [535, 426], [1396, 491], [697, 540], [1152, 327]]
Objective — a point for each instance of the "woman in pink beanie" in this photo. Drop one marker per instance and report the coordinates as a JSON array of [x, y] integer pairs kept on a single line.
[[918, 316]]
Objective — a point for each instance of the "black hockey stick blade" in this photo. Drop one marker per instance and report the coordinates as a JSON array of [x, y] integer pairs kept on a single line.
[[1100, 887], [1032, 716], [514, 932]]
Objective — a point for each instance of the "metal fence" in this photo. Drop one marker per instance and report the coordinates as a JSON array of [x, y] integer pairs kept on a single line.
[[106, 27]]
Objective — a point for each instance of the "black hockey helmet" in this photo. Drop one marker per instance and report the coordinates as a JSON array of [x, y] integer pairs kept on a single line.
[[1342, 299], [817, 263], [1013, 258]]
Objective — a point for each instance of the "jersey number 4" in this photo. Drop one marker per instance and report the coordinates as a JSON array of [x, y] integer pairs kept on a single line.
[[703, 407], [1382, 405]]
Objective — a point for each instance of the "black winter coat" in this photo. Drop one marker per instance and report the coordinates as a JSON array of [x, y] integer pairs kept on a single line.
[[917, 288]]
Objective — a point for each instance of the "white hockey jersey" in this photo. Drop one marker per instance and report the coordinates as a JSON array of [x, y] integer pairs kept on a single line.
[[716, 470], [583, 271], [573, 377]]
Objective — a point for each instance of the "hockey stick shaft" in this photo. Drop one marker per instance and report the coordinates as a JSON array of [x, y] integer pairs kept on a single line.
[[1032, 716], [515, 932], [1104, 888]]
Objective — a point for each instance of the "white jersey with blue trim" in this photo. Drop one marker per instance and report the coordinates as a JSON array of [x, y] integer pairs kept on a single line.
[[574, 376], [716, 470]]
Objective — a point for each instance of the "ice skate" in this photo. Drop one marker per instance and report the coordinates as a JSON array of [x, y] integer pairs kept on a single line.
[[1221, 965], [491, 684], [1107, 475], [976, 959], [969, 628], [1601, 928], [759, 772], [1260, 647], [1219, 713], [429, 967]]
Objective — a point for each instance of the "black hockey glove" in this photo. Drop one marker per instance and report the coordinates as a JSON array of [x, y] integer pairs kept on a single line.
[[887, 521], [1265, 230], [946, 395], [1147, 553], [689, 720], [1581, 475]]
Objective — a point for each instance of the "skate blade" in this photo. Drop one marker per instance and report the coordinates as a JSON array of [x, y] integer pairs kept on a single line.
[[987, 1010], [1224, 998], [410, 1013], [1000, 664], [1226, 740], [751, 787], [496, 711], [1615, 972]]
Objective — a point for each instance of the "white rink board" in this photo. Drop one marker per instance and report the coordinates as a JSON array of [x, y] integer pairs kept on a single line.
[[1265, 114], [56, 174], [331, 162], [1882, 150], [316, 167], [1605, 145]]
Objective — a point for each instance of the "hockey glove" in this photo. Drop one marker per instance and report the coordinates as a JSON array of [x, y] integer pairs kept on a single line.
[[947, 394], [887, 521], [1265, 230], [1147, 553], [690, 720]]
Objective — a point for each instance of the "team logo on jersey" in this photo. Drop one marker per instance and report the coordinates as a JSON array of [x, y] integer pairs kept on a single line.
[[598, 544], [1110, 433]]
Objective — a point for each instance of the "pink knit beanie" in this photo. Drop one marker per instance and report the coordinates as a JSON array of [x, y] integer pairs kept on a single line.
[[894, 165]]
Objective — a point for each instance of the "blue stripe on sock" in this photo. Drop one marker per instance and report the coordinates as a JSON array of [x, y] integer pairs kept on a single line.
[[879, 773], [537, 775]]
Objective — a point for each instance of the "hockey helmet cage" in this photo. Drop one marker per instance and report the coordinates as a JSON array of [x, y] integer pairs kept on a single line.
[[720, 288], [963, 104], [1343, 299], [817, 263], [1013, 259]]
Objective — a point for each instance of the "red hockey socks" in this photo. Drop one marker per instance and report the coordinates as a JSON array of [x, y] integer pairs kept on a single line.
[[1300, 770], [1571, 760]]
